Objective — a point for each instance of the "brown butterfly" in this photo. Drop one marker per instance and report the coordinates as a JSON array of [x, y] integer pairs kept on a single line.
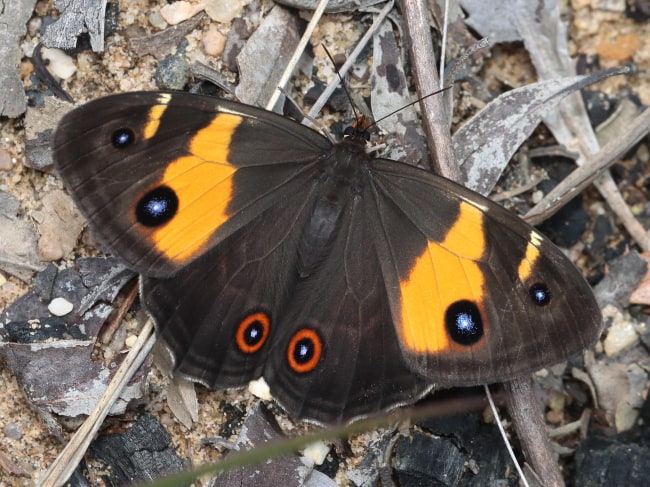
[[350, 283]]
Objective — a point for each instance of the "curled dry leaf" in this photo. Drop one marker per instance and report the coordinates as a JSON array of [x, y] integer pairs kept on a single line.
[[484, 145]]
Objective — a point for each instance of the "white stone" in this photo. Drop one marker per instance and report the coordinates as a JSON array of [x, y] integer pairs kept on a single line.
[[259, 388], [621, 334], [130, 341], [177, 12], [223, 10], [317, 452], [59, 63], [60, 306]]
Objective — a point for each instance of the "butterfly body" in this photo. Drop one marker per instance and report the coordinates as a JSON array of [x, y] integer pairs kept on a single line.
[[350, 283]]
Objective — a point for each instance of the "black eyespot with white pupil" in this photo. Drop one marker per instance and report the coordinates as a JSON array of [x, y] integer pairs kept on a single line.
[[464, 323], [304, 351], [252, 332], [122, 138], [540, 294], [157, 207]]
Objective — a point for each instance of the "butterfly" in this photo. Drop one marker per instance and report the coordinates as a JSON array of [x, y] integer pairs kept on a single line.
[[352, 284]]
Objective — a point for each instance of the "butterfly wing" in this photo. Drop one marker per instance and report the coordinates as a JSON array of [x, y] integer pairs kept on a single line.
[[218, 314], [162, 177], [476, 294], [337, 354], [336, 305]]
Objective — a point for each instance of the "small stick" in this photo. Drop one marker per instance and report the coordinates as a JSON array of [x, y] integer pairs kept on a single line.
[[343, 70], [109, 329], [528, 422], [434, 115], [284, 79], [580, 178], [497, 420], [67, 461]]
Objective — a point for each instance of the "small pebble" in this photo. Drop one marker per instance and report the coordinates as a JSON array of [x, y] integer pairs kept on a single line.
[[259, 388], [317, 452], [59, 63], [213, 42], [177, 12], [223, 10], [6, 164], [12, 431], [60, 306], [34, 26], [620, 335], [157, 21], [172, 73], [130, 341]]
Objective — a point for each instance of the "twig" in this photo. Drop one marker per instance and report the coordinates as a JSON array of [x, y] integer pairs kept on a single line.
[[497, 420], [329, 89], [445, 28], [71, 455], [528, 422], [109, 329], [579, 179], [284, 79], [434, 114]]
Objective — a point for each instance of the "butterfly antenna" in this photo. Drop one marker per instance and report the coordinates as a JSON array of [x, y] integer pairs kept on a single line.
[[410, 104], [376, 23], [345, 89]]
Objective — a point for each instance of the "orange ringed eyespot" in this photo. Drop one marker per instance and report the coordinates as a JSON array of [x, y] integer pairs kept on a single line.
[[304, 351], [252, 332]]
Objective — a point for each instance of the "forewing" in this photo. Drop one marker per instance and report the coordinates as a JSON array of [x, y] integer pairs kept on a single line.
[[163, 177]]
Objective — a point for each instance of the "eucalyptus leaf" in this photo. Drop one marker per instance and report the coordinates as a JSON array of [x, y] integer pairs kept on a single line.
[[485, 144]]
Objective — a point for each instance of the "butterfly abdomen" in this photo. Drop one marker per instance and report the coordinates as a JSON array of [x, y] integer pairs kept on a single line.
[[340, 182]]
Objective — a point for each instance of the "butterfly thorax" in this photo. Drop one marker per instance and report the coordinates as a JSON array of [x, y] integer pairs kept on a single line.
[[345, 163]]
